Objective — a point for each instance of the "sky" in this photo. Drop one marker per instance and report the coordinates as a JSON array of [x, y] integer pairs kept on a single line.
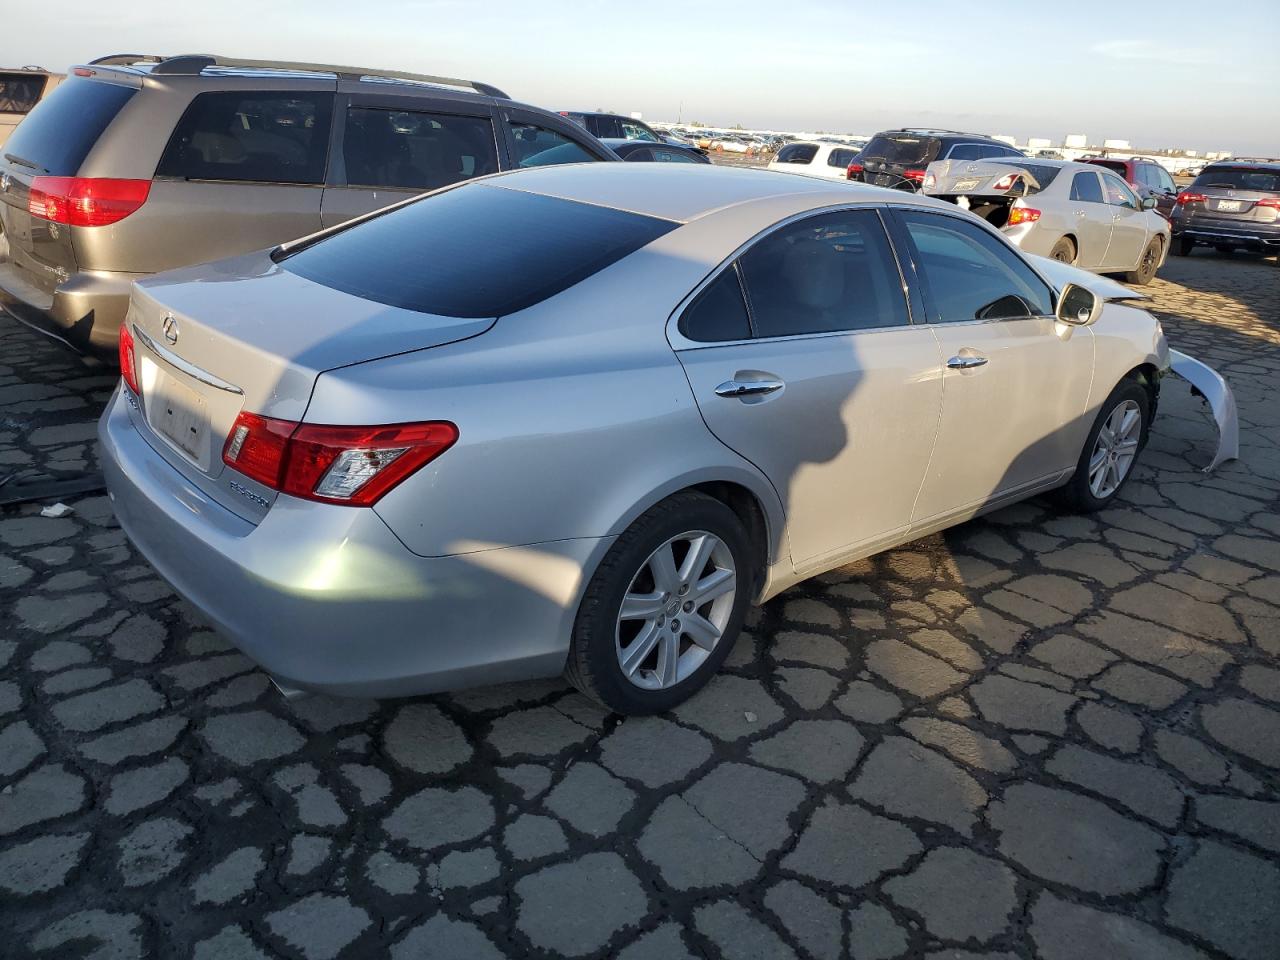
[[1158, 73]]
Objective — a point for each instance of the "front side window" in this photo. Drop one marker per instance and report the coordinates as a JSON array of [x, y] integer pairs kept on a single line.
[[971, 275], [1164, 181], [1085, 188], [829, 273], [637, 131], [1118, 193], [537, 146], [412, 150], [270, 137]]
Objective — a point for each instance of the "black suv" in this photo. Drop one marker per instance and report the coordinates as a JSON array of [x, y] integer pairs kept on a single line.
[[1233, 203], [898, 158]]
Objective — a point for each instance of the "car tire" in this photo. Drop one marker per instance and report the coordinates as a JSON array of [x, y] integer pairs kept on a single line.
[[668, 666], [1147, 265], [1183, 246], [1082, 493], [1064, 251]]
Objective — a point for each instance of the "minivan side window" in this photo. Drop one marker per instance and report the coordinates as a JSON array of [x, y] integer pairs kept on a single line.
[[829, 273], [971, 275], [1085, 188], [409, 149], [269, 137], [537, 146]]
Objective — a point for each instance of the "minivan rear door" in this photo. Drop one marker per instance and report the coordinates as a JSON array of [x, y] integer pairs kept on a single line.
[[388, 148]]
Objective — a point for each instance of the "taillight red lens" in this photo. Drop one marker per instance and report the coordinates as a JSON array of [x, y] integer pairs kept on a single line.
[[854, 170], [1272, 202], [128, 359], [85, 201], [354, 466], [916, 176], [1186, 196], [1005, 182], [1019, 215]]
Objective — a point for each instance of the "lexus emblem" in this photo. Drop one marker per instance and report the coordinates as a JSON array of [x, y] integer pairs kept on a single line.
[[170, 328]]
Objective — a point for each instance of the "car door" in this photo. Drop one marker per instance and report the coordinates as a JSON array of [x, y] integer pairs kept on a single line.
[[803, 359], [390, 148], [1166, 191], [537, 140], [1090, 220], [1013, 376], [1130, 229]]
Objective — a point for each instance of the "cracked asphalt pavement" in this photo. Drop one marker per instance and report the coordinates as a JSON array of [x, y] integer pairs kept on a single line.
[[1036, 735]]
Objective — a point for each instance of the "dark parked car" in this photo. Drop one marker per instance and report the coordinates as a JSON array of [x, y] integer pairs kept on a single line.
[[898, 158], [1148, 179], [614, 126], [137, 165], [645, 152], [1232, 204]]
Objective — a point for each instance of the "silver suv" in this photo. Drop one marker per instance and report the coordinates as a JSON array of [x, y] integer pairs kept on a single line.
[[138, 165]]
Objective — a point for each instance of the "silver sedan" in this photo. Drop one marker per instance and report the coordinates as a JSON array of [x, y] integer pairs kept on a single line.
[[577, 419], [1074, 212]]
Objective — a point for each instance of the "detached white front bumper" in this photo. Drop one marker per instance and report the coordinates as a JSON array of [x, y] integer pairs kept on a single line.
[[1220, 399]]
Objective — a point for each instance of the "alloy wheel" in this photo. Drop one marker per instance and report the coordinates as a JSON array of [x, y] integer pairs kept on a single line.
[[675, 610], [1115, 449]]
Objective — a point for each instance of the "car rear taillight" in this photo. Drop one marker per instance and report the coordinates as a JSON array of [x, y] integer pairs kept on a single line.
[[1186, 196], [1005, 182], [1019, 215], [915, 176], [1272, 202], [854, 170], [85, 201], [128, 359], [353, 466]]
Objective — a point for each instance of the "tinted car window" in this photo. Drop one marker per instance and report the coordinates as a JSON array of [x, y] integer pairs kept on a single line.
[[1118, 192], [968, 151], [59, 133], [402, 148], [1239, 178], [827, 273], [642, 154], [270, 137], [474, 251], [902, 148], [1085, 188], [1043, 173], [539, 147], [19, 92], [971, 275], [665, 155], [637, 131], [797, 153], [719, 313], [841, 158], [1164, 181]]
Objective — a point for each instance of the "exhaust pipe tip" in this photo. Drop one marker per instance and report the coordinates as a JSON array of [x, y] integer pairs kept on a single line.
[[288, 692]]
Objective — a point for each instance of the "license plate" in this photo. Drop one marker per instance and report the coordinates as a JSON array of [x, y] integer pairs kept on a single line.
[[180, 415], [1229, 204], [963, 186]]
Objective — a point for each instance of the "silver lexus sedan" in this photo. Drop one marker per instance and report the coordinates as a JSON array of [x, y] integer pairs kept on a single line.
[[576, 419]]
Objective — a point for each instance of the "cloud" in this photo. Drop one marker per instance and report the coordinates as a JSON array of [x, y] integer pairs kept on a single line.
[[1145, 50]]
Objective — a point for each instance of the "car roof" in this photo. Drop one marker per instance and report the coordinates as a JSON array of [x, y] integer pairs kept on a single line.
[[940, 134], [682, 192]]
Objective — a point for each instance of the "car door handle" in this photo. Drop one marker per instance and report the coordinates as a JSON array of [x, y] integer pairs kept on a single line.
[[1079, 213], [748, 388], [965, 363]]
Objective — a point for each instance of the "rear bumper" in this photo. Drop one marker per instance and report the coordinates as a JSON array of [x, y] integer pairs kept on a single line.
[[1238, 233], [326, 597], [86, 310]]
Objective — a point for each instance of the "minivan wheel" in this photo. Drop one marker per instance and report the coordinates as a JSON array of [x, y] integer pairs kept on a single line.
[[1147, 266], [1064, 251], [1183, 246], [1111, 451], [664, 607]]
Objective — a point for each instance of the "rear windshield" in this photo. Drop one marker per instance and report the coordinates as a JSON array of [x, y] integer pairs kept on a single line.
[[1239, 178], [797, 153], [59, 133], [1043, 173], [19, 92], [475, 251], [1116, 165], [902, 148]]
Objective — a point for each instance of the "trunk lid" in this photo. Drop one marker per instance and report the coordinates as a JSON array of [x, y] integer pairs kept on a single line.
[[246, 335], [978, 178]]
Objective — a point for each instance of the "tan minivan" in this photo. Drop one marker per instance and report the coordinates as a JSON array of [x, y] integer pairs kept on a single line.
[[20, 90], [137, 165]]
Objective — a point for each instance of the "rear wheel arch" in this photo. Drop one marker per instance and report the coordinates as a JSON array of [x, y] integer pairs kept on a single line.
[[748, 508]]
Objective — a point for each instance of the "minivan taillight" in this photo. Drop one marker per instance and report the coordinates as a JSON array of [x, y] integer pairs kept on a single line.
[[85, 201], [353, 466], [129, 359]]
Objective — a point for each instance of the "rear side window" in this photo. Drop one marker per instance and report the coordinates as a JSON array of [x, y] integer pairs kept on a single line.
[[539, 147], [668, 155], [968, 151], [797, 153], [269, 137], [841, 158], [1086, 189], [59, 133], [902, 148], [422, 151], [719, 313], [475, 251], [1239, 178], [19, 92]]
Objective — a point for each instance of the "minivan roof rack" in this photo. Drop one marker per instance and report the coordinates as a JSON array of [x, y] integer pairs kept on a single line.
[[192, 64], [125, 59]]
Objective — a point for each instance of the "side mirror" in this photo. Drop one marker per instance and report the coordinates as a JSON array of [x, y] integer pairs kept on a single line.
[[1077, 305], [1148, 203]]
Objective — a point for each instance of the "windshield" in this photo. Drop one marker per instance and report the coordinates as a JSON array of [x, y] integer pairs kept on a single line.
[[902, 148], [474, 251], [1043, 172], [1240, 178]]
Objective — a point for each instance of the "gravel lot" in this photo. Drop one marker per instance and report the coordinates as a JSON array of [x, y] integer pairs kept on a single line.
[[1035, 735]]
